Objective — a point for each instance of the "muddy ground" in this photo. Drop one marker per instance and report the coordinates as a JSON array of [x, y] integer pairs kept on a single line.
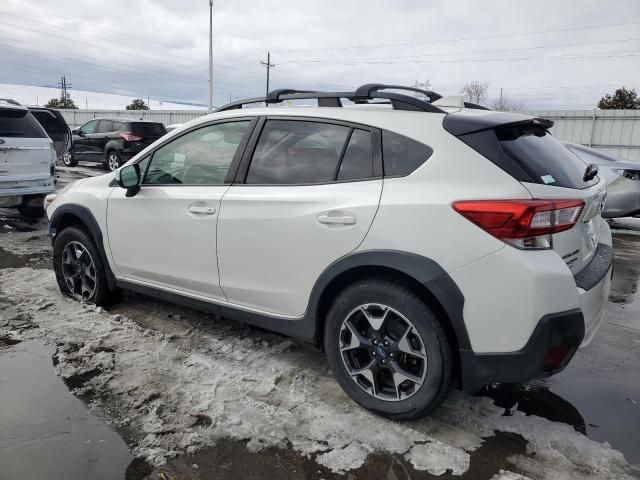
[[151, 390]]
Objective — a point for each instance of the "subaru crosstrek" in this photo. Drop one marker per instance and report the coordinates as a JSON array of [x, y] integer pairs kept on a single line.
[[421, 244]]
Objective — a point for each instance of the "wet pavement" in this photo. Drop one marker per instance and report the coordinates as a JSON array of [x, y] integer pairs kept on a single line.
[[46, 432], [598, 395]]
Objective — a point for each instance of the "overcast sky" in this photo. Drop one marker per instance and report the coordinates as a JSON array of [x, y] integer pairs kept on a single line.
[[547, 53]]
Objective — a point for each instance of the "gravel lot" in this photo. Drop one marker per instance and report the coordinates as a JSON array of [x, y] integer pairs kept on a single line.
[[195, 396]]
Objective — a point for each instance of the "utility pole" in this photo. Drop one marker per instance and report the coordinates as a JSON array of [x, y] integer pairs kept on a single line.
[[64, 86], [500, 95], [210, 56], [269, 65]]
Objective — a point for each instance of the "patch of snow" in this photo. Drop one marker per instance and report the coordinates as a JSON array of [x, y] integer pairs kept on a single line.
[[184, 380], [437, 458], [504, 475]]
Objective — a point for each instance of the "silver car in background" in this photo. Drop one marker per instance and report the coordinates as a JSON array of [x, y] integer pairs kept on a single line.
[[622, 177]]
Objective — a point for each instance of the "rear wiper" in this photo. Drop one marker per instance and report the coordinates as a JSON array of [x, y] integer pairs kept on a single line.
[[590, 173]]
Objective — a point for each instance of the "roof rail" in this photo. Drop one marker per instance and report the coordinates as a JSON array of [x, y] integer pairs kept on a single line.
[[361, 95], [10, 101]]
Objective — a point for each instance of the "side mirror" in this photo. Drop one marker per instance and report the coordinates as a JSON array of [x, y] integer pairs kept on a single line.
[[76, 131], [129, 178]]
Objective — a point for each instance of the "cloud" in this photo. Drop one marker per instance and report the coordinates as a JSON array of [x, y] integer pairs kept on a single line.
[[160, 48]]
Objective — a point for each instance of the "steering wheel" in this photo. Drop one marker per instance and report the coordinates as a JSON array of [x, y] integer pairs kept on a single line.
[[200, 173]]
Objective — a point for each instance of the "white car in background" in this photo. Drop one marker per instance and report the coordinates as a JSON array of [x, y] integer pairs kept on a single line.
[[622, 177], [31, 139], [420, 244]]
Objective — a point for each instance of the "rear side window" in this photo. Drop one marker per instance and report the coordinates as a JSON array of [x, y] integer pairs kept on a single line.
[[542, 157], [117, 126], [147, 129], [105, 126], [297, 152], [402, 155], [20, 123], [358, 157]]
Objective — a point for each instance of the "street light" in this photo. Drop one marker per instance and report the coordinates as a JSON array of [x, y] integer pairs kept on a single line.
[[210, 56]]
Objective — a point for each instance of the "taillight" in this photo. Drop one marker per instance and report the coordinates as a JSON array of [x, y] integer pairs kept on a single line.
[[522, 223], [130, 137]]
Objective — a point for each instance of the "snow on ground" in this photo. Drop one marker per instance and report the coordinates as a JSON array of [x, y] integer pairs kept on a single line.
[[184, 380], [32, 95]]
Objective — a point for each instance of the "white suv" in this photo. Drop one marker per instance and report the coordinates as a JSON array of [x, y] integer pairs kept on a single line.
[[30, 141], [421, 244]]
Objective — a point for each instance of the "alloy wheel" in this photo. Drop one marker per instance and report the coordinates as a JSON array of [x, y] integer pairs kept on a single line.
[[79, 271], [113, 161], [383, 352]]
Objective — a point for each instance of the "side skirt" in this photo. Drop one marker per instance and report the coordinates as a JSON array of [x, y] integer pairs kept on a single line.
[[303, 329]]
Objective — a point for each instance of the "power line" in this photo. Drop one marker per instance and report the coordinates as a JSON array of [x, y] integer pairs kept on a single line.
[[463, 52], [269, 66], [464, 39]]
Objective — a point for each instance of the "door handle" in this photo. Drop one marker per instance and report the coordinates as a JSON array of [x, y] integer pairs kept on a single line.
[[200, 209], [344, 219]]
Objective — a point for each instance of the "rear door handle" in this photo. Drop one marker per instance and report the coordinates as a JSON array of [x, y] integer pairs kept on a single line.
[[344, 219], [200, 209]]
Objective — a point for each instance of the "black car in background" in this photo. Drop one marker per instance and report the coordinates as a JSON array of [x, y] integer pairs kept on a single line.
[[111, 141]]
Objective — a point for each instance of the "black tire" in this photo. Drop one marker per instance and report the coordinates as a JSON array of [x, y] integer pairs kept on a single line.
[[437, 381], [113, 160], [102, 295], [69, 160], [31, 209]]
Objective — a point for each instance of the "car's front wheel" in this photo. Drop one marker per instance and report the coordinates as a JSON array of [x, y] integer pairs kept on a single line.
[[113, 160], [388, 350], [78, 267]]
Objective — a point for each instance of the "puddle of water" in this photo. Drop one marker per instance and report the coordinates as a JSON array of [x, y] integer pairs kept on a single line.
[[45, 432], [33, 260], [230, 460]]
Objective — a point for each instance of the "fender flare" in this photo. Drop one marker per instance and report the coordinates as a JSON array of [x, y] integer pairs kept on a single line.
[[424, 270], [88, 220]]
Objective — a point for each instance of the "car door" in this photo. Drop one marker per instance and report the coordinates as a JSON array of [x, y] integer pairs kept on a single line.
[[82, 141], [99, 139], [305, 196], [165, 235]]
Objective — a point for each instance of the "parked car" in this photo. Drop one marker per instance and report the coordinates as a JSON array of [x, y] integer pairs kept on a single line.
[[622, 177], [483, 259], [28, 152], [112, 142]]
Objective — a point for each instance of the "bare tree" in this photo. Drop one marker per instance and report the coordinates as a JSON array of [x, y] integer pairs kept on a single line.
[[475, 91], [507, 104]]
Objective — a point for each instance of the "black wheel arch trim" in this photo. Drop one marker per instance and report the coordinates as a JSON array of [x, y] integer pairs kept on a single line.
[[422, 269], [88, 220]]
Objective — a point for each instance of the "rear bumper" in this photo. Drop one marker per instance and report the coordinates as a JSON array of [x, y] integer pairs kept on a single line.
[[555, 338], [11, 189], [564, 330]]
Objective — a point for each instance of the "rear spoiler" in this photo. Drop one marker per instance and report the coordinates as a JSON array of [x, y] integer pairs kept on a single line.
[[462, 124]]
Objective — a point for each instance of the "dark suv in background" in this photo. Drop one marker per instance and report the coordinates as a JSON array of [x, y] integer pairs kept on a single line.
[[111, 141]]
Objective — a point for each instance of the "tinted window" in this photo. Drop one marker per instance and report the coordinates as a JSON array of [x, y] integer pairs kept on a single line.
[[105, 126], [19, 123], [402, 155], [147, 129], [90, 127], [545, 159], [117, 126], [358, 158], [200, 157], [54, 125], [293, 152]]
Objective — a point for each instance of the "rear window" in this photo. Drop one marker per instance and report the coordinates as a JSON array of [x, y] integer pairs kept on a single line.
[[148, 129], [542, 157], [19, 123]]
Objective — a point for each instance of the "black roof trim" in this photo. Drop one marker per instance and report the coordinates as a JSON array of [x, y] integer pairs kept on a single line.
[[362, 94]]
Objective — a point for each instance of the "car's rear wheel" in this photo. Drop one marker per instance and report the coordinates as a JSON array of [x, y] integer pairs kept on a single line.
[[113, 160], [79, 271], [69, 160], [388, 350]]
